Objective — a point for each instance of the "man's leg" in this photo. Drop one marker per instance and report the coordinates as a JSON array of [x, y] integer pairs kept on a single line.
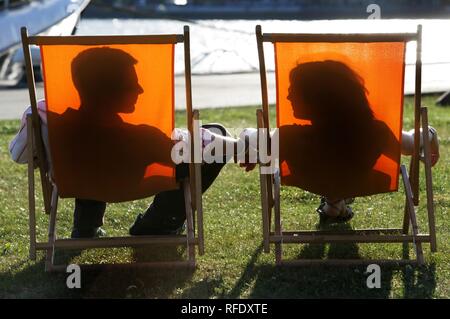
[[167, 214], [87, 218]]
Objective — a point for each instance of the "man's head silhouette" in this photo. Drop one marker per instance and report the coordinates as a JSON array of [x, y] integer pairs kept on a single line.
[[106, 80]]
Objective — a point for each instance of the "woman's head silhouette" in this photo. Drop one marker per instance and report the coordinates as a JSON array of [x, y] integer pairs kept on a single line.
[[327, 92]]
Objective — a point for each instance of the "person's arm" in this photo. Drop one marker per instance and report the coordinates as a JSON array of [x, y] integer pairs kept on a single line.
[[156, 145], [18, 145], [389, 143], [251, 134], [408, 143], [161, 143]]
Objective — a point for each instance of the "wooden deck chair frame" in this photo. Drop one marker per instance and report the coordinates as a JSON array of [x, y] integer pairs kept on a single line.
[[192, 187], [270, 183]]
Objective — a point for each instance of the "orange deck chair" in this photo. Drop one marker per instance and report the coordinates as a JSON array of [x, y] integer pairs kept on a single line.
[[377, 61], [116, 153]]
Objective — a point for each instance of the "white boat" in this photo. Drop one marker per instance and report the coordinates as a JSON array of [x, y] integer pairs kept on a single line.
[[43, 17]]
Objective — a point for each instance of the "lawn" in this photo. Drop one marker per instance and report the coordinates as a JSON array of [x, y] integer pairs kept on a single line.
[[234, 265]]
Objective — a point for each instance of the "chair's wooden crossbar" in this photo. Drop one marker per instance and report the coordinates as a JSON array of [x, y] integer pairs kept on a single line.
[[344, 231], [342, 238], [347, 262], [191, 186], [111, 242], [336, 37], [105, 40], [372, 235], [146, 265]]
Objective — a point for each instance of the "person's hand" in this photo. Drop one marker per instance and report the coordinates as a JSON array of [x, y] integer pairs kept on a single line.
[[434, 145], [249, 137]]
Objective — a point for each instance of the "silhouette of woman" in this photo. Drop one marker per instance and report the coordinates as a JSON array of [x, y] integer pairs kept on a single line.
[[335, 155]]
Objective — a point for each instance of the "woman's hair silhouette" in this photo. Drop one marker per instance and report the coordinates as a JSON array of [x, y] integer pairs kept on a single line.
[[329, 90]]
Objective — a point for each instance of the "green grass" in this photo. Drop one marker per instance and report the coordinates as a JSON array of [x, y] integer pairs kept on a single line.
[[234, 264]]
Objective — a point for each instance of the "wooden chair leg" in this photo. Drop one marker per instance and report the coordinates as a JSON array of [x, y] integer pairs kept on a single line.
[[47, 191], [31, 190], [265, 214], [49, 260], [199, 206], [189, 221], [406, 218], [37, 134], [428, 180], [412, 214], [414, 176], [277, 219], [269, 181], [264, 193], [197, 195]]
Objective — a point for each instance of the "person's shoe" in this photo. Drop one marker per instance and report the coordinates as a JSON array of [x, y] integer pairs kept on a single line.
[[153, 224], [334, 212], [349, 201], [90, 233]]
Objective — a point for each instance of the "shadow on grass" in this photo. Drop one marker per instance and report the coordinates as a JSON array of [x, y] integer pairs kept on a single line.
[[140, 282], [256, 281], [112, 282], [419, 282], [339, 282], [32, 282], [270, 281]]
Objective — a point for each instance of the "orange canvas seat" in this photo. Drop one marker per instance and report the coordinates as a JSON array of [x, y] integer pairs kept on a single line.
[[339, 114], [327, 163], [120, 151], [110, 114]]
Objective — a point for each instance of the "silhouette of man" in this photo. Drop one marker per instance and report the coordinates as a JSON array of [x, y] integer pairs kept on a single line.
[[99, 148], [113, 155]]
